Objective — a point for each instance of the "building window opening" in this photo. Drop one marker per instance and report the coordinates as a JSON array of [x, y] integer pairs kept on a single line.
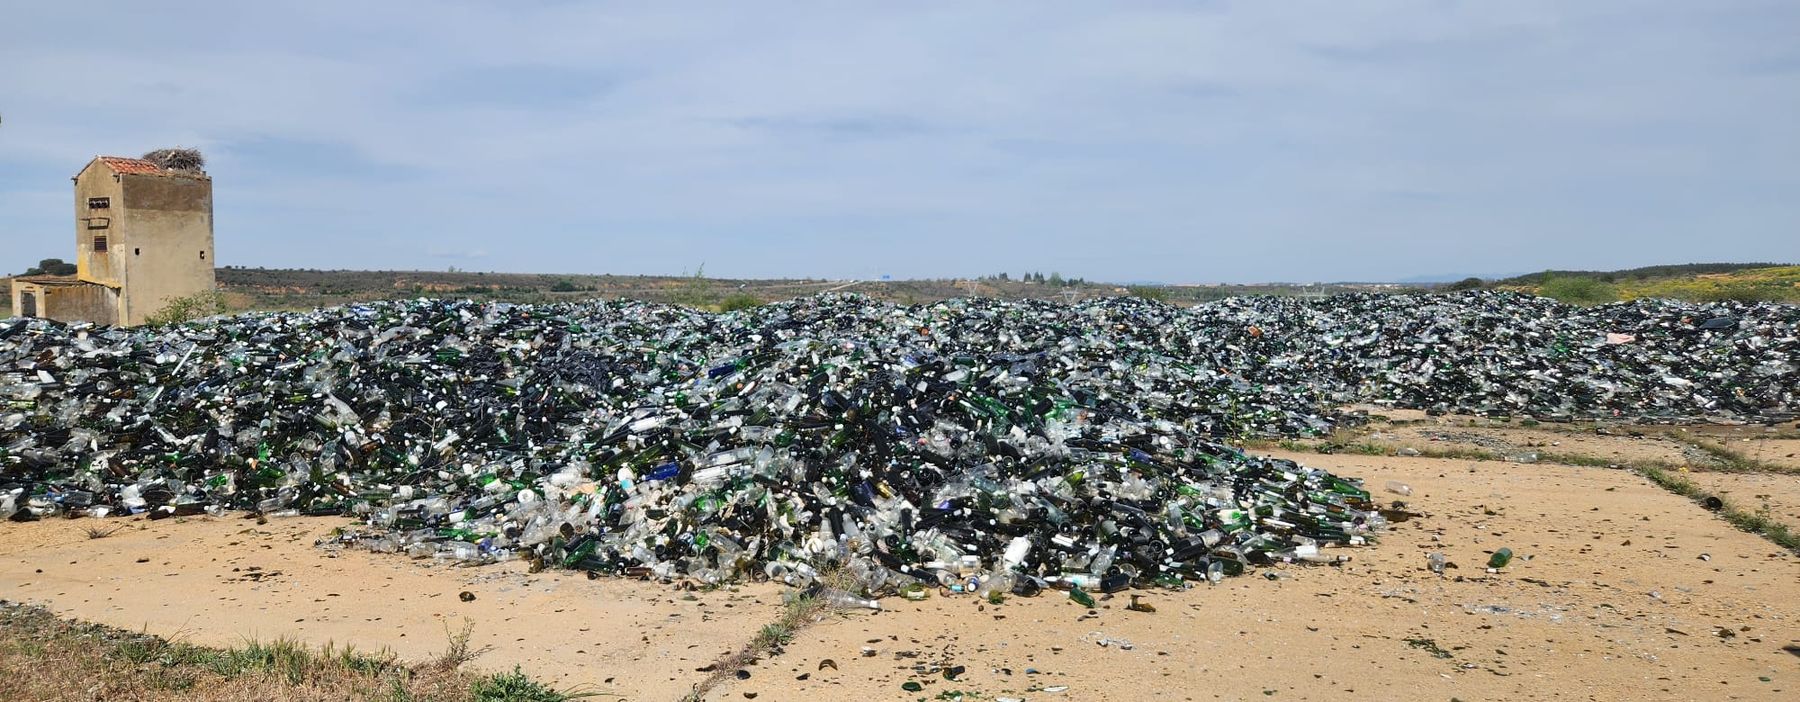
[[27, 304], [202, 255], [99, 244], [99, 203], [137, 252]]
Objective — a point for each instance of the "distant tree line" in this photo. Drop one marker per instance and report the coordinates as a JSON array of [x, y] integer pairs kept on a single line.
[[1054, 279]]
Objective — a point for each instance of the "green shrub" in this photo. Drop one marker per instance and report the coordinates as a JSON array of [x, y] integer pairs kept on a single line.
[[176, 310], [739, 301], [1576, 290], [696, 291], [1151, 292], [563, 286]]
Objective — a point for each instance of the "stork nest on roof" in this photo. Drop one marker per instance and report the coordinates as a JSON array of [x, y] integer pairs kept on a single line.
[[177, 159]]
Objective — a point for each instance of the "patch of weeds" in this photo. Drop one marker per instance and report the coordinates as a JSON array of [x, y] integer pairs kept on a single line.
[[1673, 483], [1732, 461], [1576, 459], [1151, 292], [695, 291], [772, 635], [458, 651], [1759, 523], [516, 686], [75, 658], [1360, 448], [98, 532], [176, 310], [739, 301], [350, 659], [1459, 453], [797, 611], [285, 658], [1754, 522], [1429, 646], [139, 650]]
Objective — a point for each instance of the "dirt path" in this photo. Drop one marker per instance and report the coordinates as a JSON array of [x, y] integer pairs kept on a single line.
[[1609, 599]]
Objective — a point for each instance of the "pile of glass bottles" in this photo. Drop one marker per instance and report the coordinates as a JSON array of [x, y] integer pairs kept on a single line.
[[973, 444]]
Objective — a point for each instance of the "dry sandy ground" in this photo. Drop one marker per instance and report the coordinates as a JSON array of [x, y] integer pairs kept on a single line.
[[1784, 453], [1509, 441], [1621, 591], [221, 581], [1777, 446], [1779, 495]]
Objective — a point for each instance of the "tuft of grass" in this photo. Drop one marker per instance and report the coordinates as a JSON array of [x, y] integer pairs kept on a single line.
[[1731, 461], [45, 657], [773, 635], [99, 532], [516, 686], [458, 651], [1460, 453], [798, 610], [1577, 459]]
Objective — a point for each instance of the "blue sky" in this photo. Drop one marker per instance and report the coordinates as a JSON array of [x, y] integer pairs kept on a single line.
[[1183, 142]]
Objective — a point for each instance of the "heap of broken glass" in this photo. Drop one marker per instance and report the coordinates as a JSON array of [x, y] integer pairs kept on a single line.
[[979, 444]]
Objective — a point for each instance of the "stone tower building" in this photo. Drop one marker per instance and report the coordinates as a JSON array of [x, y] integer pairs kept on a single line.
[[143, 236]]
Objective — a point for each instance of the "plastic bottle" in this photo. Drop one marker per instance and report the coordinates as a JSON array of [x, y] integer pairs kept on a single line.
[[846, 600]]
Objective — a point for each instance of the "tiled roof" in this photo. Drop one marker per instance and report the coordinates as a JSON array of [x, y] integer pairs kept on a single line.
[[138, 166], [121, 164], [51, 280]]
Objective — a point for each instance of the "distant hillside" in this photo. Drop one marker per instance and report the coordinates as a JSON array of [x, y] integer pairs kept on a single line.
[[1703, 282], [1645, 273], [1442, 278], [274, 288]]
